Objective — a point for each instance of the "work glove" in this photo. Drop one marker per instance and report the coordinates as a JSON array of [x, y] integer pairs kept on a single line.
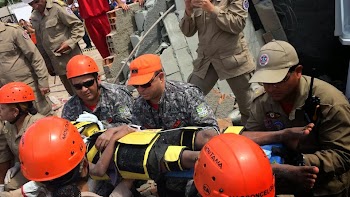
[[12, 172], [33, 189], [88, 117]]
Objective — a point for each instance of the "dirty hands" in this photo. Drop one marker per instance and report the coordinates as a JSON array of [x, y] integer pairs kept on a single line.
[[112, 134], [303, 176], [292, 136], [63, 48], [12, 172], [206, 5]]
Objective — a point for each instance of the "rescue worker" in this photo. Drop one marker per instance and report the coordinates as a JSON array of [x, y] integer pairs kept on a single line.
[[167, 104], [53, 175], [291, 99], [18, 112], [21, 61], [233, 165], [109, 103], [222, 50], [58, 32]]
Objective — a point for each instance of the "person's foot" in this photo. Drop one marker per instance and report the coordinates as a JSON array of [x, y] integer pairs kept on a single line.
[[88, 47]]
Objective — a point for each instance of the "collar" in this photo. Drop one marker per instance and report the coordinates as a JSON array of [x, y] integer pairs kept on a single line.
[[49, 5]]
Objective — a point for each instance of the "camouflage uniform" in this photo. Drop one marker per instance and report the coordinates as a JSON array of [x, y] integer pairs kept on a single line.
[[182, 104], [113, 109]]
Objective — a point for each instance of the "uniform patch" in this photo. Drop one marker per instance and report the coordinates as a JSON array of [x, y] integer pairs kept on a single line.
[[263, 60], [25, 35], [245, 4], [202, 110], [124, 111], [69, 10]]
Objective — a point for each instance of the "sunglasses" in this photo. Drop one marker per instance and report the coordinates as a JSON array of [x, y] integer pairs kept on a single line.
[[147, 85], [86, 84]]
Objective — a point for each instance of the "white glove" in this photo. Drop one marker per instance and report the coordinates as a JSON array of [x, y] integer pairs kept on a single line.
[[88, 117], [12, 172], [33, 189]]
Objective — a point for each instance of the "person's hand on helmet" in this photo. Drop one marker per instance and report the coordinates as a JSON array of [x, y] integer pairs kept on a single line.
[[12, 172], [88, 117]]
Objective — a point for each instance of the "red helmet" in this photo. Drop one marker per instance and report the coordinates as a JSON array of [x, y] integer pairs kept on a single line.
[[81, 65], [50, 148], [16, 92], [233, 165]]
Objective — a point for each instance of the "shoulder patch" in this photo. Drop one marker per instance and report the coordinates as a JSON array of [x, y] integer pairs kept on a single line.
[[245, 5], [69, 10], [25, 35], [202, 110], [60, 2], [258, 92]]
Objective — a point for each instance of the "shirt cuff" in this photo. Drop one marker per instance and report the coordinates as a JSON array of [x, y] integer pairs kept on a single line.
[[215, 12]]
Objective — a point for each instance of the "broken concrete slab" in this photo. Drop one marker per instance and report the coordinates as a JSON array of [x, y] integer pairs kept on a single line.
[[180, 4], [169, 62], [125, 26], [224, 87], [140, 17], [184, 60], [176, 37], [175, 76], [152, 40]]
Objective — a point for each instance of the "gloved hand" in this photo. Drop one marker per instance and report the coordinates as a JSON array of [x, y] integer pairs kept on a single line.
[[12, 172], [88, 117], [33, 189]]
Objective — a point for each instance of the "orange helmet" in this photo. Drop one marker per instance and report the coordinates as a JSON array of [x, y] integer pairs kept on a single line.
[[16, 92], [233, 165], [50, 148], [81, 65]]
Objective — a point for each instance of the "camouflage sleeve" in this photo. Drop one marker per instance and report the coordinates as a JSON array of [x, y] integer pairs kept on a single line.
[[68, 112], [136, 113], [200, 112], [123, 113]]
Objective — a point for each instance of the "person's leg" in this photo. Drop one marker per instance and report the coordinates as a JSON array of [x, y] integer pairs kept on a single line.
[[240, 87], [67, 85], [207, 83], [98, 27], [87, 40]]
